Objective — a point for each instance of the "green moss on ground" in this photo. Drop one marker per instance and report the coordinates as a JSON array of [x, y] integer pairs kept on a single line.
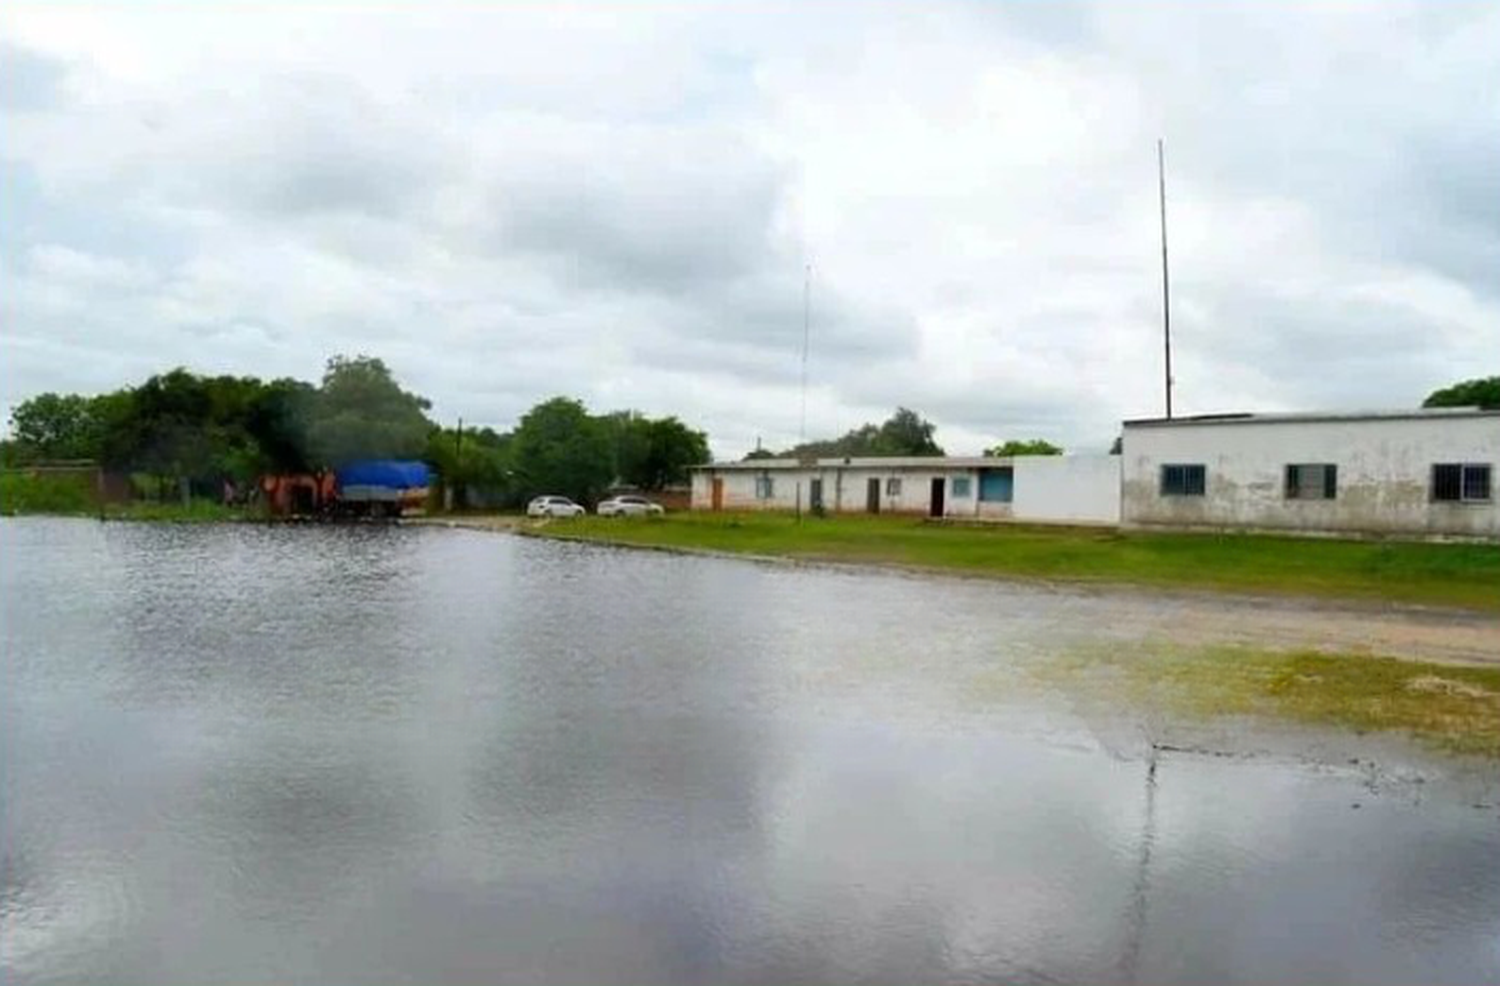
[[1450, 708]]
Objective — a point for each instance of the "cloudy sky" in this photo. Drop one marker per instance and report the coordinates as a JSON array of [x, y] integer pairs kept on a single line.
[[618, 202]]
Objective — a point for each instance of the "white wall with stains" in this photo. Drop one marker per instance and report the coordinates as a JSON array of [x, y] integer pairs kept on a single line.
[[1384, 483]]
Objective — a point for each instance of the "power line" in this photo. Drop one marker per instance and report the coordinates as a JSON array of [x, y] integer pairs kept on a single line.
[[806, 335]]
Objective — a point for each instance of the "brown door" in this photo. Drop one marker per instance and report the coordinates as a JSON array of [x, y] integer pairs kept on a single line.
[[872, 496], [935, 509], [718, 493]]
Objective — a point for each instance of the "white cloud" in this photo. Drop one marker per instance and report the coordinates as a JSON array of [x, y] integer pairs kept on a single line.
[[617, 203]]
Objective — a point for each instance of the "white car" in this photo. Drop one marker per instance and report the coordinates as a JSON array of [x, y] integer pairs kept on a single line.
[[554, 506], [628, 506]]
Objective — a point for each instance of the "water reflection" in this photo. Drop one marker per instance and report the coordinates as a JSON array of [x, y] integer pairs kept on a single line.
[[386, 756]]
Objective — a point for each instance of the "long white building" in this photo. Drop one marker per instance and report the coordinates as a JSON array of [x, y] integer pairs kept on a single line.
[[1410, 473], [1418, 472], [1064, 489]]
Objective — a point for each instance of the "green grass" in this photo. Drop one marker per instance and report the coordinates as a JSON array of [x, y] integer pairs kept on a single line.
[[1459, 575], [198, 511], [1454, 709], [73, 495], [23, 492]]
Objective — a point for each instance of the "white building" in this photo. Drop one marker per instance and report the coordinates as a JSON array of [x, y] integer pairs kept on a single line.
[[1421, 472], [1070, 489]]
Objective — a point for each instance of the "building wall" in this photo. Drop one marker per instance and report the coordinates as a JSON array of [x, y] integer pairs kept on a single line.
[[1384, 475], [1062, 489], [1068, 489]]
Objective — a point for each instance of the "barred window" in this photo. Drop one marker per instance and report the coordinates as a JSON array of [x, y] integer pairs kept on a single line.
[[893, 487], [765, 487], [961, 487], [1312, 481], [1461, 482], [1183, 480]]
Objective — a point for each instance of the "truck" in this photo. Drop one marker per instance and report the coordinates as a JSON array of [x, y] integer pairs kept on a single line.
[[367, 488], [380, 488]]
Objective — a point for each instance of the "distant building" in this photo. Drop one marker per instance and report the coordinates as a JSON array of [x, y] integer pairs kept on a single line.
[[1420, 472], [1069, 489]]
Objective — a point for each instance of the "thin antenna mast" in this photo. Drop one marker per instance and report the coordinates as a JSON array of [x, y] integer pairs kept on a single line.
[[1166, 296], [806, 327]]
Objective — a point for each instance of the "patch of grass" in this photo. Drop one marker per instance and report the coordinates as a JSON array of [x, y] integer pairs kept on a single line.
[[66, 493], [1455, 709], [1460, 575], [196, 511], [70, 494]]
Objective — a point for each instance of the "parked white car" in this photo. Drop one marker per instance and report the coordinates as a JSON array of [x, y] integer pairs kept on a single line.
[[627, 506], [554, 506]]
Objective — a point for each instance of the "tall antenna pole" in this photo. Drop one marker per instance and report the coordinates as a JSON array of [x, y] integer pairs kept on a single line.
[[806, 327], [1166, 295]]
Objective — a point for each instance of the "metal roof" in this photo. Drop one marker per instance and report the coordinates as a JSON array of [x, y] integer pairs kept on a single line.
[[1246, 418]]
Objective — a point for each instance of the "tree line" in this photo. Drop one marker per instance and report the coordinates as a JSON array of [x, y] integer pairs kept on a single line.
[[904, 433], [181, 431], [188, 432]]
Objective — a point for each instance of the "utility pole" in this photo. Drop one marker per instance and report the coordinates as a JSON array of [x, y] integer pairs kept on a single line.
[[1166, 295], [458, 447], [806, 332]]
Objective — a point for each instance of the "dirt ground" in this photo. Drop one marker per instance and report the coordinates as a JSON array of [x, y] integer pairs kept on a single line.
[[1424, 633]]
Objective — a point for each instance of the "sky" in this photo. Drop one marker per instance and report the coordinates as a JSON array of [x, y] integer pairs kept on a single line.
[[637, 205]]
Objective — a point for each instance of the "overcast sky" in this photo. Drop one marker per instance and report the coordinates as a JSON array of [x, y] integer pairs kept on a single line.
[[617, 202]]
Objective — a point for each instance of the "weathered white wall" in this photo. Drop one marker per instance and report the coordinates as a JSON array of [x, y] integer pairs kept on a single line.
[[1078, 489], [1071, 489], [1384, 474]]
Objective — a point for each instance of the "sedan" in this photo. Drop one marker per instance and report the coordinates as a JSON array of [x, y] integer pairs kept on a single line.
[[628, 506], [554, 506]]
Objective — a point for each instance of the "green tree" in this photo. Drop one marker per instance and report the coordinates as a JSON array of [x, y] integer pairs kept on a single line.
[[1480, 392], [558, 448], [671, 449], [164, 427], [362, 413], [55, 426], [277, 418], [1036, 446], [651, 453], [476, 466], [904, 433], [907, 433]]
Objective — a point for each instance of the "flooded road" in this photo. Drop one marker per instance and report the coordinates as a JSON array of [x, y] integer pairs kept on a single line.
[[250, 754]]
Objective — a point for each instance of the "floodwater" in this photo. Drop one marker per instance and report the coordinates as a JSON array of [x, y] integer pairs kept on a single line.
[[234, 754]]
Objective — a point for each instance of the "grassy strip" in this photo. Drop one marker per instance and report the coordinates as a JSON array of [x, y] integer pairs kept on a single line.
[[197, 511], [1461, 575], [56, 493], [1454, 709], [66, 496]]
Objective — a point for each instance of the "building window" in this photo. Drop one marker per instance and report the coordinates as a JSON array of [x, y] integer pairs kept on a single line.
[[1312, 481], [893, 487], [765, 486], [997, 485], [961, 487], [1183, 480], [1461, 483]]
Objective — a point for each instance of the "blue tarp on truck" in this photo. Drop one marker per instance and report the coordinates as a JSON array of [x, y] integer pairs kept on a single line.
[[391, 474], [381, 488]]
